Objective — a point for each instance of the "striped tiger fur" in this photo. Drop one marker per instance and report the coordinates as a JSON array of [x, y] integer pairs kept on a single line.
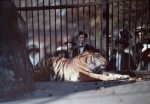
[[84, 67]]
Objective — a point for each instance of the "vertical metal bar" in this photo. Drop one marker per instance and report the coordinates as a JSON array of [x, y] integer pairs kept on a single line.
[[55, 29], [123, 13], [123, 24], [78, 21], [118, 30], [26, 24], [50, 30], [105, 28], [129, 15], [38, 29], [61, 22], [147, 25], [129, 30], [101, 32], [129, 20], [20, 5], [118, 19], [142, 15], [83, 19], [67, 24], [148, 18], [135, 30], [112, 27], [95, 26], [44, 31], [141, 27], [32, 28], [78, 15], [72, 21], [89, 25], [148, 11]]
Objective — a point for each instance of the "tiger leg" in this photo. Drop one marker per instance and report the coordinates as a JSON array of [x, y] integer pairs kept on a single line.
[[95, 77], [118, 76]]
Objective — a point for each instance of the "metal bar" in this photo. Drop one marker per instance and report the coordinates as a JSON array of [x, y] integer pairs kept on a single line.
[[101, 28], [20, 5], [149, 9], [105, 24], [38, 29], [142, 73], [89, 25], [95, 27], [118, 18], [142, 14], [129, 29], [55, 29], [129, 20], [50, 31], [72, 21], [118, 30], [44, 31], [115, 1], [59, 6], [145, 74], [135, 30], [33, 30], [78, 17], [83, 18], [123, 27], [129, 16], [123, 14], [147, 25], [78, 23], [61, 23], [67, 23], [141, 27], [26, 23], [112, 28]]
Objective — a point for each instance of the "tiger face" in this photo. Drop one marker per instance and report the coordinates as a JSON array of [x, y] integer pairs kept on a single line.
[[95, 61]]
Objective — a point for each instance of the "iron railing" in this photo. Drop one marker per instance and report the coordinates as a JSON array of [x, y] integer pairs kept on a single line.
[[51, 22]]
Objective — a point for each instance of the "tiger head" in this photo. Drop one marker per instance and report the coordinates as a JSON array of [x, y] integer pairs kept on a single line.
[[94, 60]]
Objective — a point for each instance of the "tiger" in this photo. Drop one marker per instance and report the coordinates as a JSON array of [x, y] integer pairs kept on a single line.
[[87, 66]]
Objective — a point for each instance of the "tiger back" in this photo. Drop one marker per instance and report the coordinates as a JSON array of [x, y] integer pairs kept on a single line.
[[49, 69]]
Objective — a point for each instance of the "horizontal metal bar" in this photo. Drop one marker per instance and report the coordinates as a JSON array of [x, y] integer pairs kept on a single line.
[[66, 6], [133, 73], [59, 6], [116, 1]]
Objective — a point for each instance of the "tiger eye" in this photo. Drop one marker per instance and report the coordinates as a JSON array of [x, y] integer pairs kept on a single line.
[[98, 55]]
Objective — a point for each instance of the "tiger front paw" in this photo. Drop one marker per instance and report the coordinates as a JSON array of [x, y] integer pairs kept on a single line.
[[125, 77], [117, 76]]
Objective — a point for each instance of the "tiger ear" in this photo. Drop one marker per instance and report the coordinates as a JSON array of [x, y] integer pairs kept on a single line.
[[85, 52]]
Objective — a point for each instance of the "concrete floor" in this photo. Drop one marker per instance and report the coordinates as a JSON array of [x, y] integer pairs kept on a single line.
[[99, 92]]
